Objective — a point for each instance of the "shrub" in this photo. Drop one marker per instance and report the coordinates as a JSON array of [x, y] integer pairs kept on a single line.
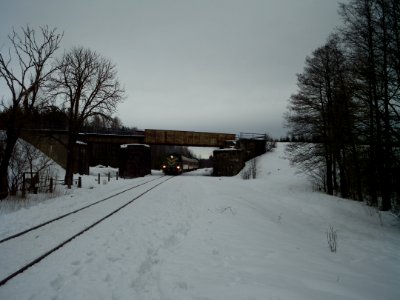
[[331, 236], [250, 170]]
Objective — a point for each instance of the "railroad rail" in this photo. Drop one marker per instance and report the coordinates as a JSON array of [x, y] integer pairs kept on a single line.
[[47, 252]]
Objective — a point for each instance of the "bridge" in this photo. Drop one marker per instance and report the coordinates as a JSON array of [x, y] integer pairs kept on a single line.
[[96, 148], [104, 148]]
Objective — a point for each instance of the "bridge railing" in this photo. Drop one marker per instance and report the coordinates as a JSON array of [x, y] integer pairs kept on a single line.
[[252, 136]]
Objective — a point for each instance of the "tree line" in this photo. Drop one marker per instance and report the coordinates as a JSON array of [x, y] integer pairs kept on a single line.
[[346, 111], [75, 87]]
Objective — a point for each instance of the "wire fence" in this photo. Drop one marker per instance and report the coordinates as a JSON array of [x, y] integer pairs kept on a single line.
[[34, 183]]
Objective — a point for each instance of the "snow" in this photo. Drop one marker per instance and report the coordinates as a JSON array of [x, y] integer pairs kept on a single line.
[[203, 237], [135, 145]]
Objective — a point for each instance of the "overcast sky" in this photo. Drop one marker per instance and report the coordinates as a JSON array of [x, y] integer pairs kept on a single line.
[[205, 65]]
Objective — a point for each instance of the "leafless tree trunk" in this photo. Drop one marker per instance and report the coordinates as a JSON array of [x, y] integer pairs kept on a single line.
[[348, 105], [321, 113], [371, 34], [88, 86], [24, 68]]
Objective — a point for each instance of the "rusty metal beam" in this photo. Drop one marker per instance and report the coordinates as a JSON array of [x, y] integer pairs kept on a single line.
[[186, 138]]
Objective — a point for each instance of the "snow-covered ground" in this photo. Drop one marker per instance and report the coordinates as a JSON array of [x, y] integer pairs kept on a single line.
[[202, 237]]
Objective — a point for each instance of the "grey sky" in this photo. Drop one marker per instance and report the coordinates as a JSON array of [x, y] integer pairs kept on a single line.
[[206, 65]]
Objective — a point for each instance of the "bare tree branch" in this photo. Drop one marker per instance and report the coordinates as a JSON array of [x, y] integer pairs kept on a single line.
[[87, 84], [30, 54]]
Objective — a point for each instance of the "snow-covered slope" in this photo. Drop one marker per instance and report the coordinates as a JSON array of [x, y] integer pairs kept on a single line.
[[202, 237]]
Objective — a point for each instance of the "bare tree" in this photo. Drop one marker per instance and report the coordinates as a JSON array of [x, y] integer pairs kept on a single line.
[[371, 35], [87, 84], [348, 106], [24, 68], [322, 112]]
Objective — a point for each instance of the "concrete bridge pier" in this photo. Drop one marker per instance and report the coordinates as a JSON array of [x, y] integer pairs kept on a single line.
[[230, 161]]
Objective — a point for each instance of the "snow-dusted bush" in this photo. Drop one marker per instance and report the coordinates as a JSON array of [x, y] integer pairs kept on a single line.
[[245, 174], [270, 145], [331, 236], [28, 160], [250, 170]]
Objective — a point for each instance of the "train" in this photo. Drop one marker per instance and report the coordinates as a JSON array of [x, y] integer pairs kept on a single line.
[[175, 164]]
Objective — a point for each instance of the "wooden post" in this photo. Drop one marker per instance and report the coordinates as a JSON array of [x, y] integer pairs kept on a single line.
[[79, 182], [98, 178], [36, 183], [51, 185], [109, 176], [23, 185], [116, 175]]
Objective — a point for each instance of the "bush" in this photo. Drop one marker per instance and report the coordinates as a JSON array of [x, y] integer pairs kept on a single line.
[[250, 170], [28, 161], [331, 236]]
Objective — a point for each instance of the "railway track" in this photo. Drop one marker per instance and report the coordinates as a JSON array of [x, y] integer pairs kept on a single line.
[[27, 247], [10, 237]]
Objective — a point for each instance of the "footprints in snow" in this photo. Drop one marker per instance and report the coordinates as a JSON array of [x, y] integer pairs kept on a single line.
[[76, 263], [147, 272], [57, 283]]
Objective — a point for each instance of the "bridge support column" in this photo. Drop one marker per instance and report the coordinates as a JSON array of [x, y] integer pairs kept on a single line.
[[228, 162], [252, 147], [134, 160]]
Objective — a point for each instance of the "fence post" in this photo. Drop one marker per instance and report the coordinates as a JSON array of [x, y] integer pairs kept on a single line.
[[109, 176], [51, 185], [36, 183], [79, 182], [23, 185], [116, 175], [98, 178]]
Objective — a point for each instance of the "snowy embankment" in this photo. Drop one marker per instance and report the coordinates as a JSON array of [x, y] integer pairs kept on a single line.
[[201, 237]]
